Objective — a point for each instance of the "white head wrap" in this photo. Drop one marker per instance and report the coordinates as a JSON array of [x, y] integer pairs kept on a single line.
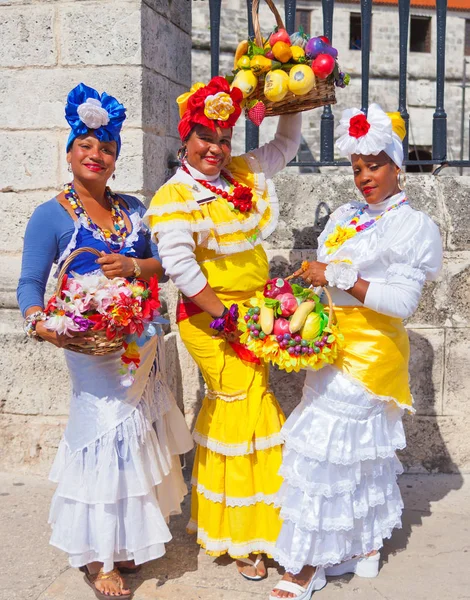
[[380, 136]]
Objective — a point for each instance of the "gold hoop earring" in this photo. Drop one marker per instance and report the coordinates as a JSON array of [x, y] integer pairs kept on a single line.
[[401, 180]]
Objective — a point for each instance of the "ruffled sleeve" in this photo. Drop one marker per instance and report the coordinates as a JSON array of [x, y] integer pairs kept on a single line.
[[413, 256], [415, 248]]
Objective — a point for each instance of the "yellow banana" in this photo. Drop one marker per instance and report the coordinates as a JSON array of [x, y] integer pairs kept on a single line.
[[266, 319], [299, 317]]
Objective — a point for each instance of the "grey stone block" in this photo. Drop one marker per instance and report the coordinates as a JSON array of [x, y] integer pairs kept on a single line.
[[29, 160], [113, 34], [437, 444], [165, 47], [427, 369], [30, 35], [49, 88], [457, 382], [456, 196]]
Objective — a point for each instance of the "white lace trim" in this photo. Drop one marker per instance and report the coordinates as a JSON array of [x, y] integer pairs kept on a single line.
[[137, 227], [274, 202], [236, 550], [330, 559], [329, 490], [261, 443], [359, 455], [405, 270], [323, 523], [213, 395], [232, 501]]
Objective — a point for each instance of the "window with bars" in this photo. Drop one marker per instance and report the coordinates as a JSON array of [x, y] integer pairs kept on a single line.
[[302, 19], [420, 34], [355, 33]]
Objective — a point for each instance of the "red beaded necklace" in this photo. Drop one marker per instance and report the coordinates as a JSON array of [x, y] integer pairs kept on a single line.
[[240, 199]]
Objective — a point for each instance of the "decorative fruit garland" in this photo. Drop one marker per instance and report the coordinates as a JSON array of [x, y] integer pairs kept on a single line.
[[288, 326]]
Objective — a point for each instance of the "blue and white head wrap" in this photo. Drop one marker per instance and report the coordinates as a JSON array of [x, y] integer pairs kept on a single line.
[[86, 109]]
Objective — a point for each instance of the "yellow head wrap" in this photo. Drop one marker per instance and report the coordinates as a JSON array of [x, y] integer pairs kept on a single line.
[[398, 124], [183, 99]]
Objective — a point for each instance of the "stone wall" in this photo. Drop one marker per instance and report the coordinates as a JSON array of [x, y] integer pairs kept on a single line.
[[138, 51]]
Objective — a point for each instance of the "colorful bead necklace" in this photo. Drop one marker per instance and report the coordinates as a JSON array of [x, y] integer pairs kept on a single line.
[[112, 238], [341, 233], [240, 199]]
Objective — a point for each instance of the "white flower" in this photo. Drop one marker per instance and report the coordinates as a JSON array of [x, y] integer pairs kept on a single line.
[[62, 324], [342, 275], [374, 141], [92, 114]]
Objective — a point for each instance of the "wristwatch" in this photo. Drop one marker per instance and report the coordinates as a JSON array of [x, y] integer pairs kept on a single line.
[[137, 269]]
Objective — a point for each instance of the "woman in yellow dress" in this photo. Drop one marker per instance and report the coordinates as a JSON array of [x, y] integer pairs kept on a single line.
[[209, 221]]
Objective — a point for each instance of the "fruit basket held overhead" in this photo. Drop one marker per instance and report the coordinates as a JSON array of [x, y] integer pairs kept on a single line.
[[285, 74]]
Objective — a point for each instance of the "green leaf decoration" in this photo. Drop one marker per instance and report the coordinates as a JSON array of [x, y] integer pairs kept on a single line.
[[254, 50], [347, 78], [331, 339], [230, 78]]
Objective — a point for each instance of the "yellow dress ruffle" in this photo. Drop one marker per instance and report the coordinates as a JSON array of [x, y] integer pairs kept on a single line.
[[216, 227], [239, 453], [376, 353]]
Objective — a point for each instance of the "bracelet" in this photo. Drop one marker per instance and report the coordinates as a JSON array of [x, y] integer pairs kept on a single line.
[[342, 275], [30, 322], [137, 269], [228, 320]]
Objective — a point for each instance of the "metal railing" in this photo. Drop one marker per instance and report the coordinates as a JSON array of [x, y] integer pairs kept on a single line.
[[327, 125]]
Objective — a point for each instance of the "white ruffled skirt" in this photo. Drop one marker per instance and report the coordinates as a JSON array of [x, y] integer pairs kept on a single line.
[[340, 496], [117, 468]]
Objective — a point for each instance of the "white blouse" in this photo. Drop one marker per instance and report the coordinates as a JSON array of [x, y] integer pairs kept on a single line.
[[396, 255], [176, 248]]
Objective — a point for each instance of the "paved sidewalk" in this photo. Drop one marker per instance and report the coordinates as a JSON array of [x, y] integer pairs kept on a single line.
[[429, 559]]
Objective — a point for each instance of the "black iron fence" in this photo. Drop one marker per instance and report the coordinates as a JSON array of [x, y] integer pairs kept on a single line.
[[439, 125]]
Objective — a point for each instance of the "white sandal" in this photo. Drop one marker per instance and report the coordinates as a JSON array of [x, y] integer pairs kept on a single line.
[[316, 584], [252, 563], [362, 566]]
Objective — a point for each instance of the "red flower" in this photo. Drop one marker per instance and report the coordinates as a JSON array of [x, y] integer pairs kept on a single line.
[[194, 114], [243, 193], [358, 126]]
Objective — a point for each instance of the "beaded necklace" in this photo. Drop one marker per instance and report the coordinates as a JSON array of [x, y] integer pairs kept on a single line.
[[241, 199], [112, 238], [341, 233]]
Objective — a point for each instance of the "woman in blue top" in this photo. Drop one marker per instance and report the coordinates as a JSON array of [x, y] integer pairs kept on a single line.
[[117, 468]]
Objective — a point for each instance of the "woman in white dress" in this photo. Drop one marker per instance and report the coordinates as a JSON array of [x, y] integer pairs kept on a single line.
[[340, 497], [118, 470]]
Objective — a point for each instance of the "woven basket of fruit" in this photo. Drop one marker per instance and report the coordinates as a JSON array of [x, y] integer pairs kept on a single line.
[[285, 74], [288, 326]]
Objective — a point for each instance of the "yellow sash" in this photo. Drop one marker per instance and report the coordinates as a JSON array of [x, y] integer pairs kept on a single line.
[[376, 353]]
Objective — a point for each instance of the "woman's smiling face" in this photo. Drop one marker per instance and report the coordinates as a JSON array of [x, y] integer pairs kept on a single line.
[[375, 176], [92, 160], [209, 150]]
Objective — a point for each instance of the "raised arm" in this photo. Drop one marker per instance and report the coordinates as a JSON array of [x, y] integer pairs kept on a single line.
[[274, 156]]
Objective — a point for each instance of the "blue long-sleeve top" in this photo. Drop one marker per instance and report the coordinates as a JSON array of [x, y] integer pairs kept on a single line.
[[52, 234]]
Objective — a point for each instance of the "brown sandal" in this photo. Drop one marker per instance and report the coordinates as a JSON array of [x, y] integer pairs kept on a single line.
[[114, 576]]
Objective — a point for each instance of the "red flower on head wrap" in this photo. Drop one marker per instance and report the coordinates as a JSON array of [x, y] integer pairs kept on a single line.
[[214, 105], [358, 126]]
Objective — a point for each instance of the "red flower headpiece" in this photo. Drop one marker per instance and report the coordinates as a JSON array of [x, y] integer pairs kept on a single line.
[[212, 105], [358, 125]]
